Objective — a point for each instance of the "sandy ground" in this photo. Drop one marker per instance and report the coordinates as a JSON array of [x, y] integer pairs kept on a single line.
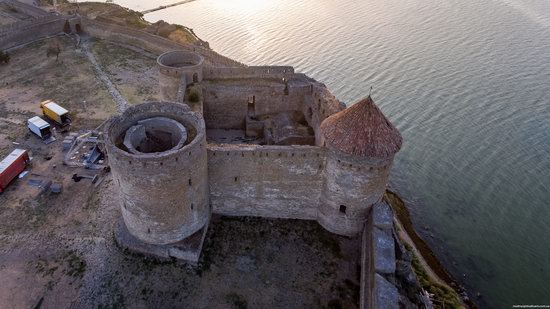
[[133, 72], [58, 251], [31, 77]]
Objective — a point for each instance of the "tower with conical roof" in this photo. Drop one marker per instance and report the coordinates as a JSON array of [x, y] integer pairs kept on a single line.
[[361, 144]]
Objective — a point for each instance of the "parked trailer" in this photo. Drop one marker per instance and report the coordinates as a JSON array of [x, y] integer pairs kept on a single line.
[[39, 127], [12, 165], [55, 112]]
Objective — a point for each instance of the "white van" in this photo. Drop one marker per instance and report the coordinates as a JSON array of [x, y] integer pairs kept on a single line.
[[41, 128]]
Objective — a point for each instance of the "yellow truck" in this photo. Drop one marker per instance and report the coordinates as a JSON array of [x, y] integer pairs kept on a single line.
[[55, 112]]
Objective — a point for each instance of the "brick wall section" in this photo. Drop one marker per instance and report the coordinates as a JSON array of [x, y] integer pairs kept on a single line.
[[266, 181]]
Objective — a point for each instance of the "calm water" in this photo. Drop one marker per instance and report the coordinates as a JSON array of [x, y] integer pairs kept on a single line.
[[468, 84]]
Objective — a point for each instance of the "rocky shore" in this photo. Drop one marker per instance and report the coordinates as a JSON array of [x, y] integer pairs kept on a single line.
[[433, 276]]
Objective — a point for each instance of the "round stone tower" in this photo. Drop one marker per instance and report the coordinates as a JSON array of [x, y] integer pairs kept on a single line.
[[157, 154], [361, 145], [178, 69]]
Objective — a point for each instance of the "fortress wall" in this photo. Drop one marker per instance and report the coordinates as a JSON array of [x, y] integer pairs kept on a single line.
[[24, 24], [26, 8], [262, 72], [226, 105], [150, 42], [318, 106], [378, 260], [266, 181], [31, 32]]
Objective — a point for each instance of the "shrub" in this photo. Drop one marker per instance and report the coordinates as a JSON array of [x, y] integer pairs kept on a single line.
[[4, 57], [194, 96]]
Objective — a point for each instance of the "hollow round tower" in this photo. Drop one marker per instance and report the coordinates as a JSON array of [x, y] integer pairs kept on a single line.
[[361, 145], [157, 155], [177, 69]]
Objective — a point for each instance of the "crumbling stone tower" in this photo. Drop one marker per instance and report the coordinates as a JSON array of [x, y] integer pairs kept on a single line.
[[157, 154], [177, 70], [361, 143]]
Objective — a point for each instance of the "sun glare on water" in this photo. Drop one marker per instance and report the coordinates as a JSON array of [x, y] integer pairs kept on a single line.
[[243, 5]]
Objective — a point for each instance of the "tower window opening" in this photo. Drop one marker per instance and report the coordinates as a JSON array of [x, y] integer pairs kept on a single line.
[[343, 209], [190, 183]]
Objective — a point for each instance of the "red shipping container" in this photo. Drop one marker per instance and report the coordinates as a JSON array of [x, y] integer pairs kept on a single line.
[[12, 166]]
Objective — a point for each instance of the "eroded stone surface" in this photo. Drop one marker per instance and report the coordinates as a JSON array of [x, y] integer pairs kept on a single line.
[[385, 294], [382, 215], [383, 251]]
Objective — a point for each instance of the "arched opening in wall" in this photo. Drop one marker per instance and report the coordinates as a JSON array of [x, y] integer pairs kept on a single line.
[[195, 78], [343, 209], [67, 27], [78, 28]]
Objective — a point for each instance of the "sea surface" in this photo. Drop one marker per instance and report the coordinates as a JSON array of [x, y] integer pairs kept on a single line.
[[468, 84]]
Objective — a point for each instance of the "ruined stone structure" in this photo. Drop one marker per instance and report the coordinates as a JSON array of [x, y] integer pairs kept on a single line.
[[269, 142], [241, 140], [157, 153]]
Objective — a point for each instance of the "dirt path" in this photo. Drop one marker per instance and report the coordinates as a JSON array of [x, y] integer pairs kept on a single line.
[[120, 101]]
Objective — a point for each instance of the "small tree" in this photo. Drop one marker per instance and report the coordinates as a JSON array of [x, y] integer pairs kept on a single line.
[[194, 96], [4, 57], [54, 48]]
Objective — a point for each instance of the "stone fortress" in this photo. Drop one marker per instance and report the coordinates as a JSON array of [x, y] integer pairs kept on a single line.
[[252, 141], [244, 141], [239, 140]]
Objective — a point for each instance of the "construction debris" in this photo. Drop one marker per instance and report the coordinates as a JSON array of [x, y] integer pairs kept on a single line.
[[56, 188], [78, 178], [85, 151]]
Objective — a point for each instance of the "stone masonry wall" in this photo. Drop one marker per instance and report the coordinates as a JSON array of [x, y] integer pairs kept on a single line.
[[267, 72], [266, 181], [164, 195], [319, 105], [25, 24], [26, 8], [350, 188], [26, 33], [378, 261], [226, 104], [150, 42]]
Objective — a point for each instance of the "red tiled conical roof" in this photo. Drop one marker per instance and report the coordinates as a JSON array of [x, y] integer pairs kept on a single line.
[[362, 130]]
